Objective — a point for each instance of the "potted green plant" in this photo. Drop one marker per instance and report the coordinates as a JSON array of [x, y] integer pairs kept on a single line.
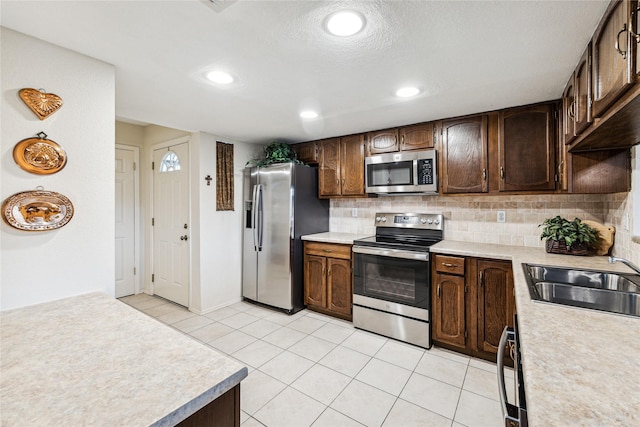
[[276, 152], [568, 237]]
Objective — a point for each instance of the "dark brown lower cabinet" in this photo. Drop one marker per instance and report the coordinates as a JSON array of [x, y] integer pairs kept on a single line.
[[222, 412], [327, 278], [471, 305]]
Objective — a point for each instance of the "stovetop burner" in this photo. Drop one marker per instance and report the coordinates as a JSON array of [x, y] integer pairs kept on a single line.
[[408, 231]]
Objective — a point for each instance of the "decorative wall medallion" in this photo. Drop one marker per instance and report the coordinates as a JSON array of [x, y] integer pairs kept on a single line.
[[41, 103], [37, 210], [40, 155]]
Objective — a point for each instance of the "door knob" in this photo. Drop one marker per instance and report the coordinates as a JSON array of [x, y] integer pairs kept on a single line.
[[183, 237]]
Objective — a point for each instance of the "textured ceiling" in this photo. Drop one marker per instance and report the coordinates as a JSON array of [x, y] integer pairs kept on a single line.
[[466, 57]]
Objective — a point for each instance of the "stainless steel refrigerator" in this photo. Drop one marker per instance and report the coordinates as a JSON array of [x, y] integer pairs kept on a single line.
[[280, 205]]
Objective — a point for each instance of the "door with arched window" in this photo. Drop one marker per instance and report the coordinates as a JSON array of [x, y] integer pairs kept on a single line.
[[171, 236]]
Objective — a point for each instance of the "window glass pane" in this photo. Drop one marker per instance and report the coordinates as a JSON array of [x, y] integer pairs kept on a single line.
[[170, 162]]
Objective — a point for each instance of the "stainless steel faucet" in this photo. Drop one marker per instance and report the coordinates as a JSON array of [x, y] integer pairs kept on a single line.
[[626, 262]]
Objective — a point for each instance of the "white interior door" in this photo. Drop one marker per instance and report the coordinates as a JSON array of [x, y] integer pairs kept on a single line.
[[171, 236], [125, 214]]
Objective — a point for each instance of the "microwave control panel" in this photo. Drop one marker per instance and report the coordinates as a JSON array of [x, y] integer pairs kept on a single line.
[[425, 171]]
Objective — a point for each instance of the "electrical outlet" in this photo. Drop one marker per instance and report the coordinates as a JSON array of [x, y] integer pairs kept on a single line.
[[502, 216], [354, 212], [626, 221]]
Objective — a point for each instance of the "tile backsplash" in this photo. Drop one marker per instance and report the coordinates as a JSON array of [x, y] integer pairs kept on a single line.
[[474, 218]]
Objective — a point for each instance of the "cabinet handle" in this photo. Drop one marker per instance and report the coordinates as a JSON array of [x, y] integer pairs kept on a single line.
[[560, 167], [446, 264], [572, 110], [481, 278], [438, 290], [402, 140], [501, 172], [617, 46], [343, 182], [484, 174], [327, 250]]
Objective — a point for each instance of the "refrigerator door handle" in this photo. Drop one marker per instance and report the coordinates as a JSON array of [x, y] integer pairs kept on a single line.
[[254, 219], [260, 217]]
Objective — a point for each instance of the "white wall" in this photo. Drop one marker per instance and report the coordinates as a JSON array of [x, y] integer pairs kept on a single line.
[[78, 258], [216, 235]]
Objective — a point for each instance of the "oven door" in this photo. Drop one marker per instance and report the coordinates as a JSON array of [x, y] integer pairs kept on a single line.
[[392, 275]]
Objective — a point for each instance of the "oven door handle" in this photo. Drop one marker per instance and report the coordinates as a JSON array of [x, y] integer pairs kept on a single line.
[[508, 336], [394, 253]]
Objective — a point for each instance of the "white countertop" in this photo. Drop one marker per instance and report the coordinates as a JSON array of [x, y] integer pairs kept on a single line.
[[93, 360], [581, 367], [334, 237]]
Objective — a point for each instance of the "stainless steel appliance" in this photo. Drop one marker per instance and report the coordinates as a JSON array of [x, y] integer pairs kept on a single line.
[[280, 204], [403, 172], [392, 279], [515, 414]]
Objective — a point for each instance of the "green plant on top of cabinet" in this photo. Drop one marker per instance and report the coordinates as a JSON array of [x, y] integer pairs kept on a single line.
[[526, 148], [464, 155], [341, 167]]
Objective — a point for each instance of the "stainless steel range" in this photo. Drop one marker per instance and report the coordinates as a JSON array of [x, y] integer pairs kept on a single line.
[[391, 277]]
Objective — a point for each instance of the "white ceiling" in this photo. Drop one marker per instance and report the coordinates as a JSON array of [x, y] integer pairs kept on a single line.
[[466, 57]]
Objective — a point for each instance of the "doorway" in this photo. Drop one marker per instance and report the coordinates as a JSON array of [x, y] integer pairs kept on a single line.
[[126, 221], [171, 235]]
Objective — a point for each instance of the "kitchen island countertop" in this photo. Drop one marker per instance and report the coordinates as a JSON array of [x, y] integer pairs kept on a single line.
[[93, 360], [581, 367], [334, 237]]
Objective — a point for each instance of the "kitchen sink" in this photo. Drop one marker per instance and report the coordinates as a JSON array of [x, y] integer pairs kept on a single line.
[[598, 290]]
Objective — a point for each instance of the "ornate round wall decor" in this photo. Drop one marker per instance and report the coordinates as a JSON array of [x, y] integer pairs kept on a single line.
[[37, 210], [40, 155]]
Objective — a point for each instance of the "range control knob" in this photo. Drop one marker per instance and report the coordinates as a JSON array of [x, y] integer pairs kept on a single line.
[[378, 219], [430, 220], [436, 222], [383, 219], [423, 220]]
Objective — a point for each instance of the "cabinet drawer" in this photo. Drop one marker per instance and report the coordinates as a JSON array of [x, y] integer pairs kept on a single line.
[[330, 250], [449, 264]]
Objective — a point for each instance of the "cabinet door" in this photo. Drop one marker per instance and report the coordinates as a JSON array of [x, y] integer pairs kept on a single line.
[[449, 309], [352, 167], [568, 112], [383, 141], [611, 47], [526, 147], [582, 113], [635, 17], [339, 285], [315, 283], [464, 155], [329, 168], [495, 302], [417, 137], [307, 152]]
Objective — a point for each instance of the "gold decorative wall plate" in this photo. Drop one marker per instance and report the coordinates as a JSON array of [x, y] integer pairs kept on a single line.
[[40, 155], [37, 210], [41, 103]]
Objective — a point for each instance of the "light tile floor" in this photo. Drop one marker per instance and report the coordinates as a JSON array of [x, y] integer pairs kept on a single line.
[[309, 369]]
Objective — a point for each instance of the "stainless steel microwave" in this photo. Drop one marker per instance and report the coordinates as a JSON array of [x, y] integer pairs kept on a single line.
[[403, 172]]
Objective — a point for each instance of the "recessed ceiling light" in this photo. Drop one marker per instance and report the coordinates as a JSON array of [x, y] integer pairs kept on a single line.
[[407, 92], [308, 114], [220, 77], [345, 23]]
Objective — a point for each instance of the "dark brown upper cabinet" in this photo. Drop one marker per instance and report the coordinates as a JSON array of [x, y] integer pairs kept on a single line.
[[416, 137], [464, 155], [612, 55], [383, 141], [582, 116], [568, 111], [526, 148], [307, 152], [341, 167]]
